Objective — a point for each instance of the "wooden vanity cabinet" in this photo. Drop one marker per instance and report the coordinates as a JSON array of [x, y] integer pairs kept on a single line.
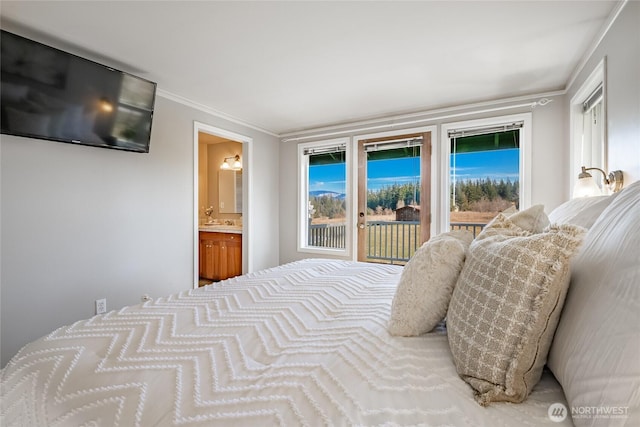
[[220, 255]]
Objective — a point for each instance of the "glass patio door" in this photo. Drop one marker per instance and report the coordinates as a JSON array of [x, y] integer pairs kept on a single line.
[[394, 197]]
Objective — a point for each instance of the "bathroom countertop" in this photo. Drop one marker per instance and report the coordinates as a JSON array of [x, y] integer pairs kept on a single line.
[[221, 228]]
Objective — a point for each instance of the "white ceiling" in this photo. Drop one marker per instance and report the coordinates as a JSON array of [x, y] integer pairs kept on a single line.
[[285, 66]]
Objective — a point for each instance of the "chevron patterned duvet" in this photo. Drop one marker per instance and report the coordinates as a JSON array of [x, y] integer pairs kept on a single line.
[[300, 344]]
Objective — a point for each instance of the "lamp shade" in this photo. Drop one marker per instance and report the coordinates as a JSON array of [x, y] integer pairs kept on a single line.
[[237, 164], [586, 187]]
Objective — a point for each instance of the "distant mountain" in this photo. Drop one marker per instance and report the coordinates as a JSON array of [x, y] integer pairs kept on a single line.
[[322, 193]]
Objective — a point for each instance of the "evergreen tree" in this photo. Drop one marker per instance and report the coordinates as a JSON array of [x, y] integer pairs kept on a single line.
[[471, 194], [329, 207]]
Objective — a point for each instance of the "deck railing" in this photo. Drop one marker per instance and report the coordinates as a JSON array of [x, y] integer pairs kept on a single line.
[[387, 241], [327, 235], [392, 241], [475, 227]]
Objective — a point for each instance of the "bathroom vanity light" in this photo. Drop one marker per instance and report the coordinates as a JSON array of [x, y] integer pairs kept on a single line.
[[586, 186], [237, 164]]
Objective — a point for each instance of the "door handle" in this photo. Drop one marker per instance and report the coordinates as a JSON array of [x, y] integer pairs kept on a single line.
[[361, 225]]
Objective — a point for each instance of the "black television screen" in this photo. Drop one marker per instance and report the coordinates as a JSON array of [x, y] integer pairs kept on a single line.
[[51, 94]]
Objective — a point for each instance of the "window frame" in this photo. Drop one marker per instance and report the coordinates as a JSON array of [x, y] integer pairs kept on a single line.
[[303, 193], [445, 153], [576, 116]]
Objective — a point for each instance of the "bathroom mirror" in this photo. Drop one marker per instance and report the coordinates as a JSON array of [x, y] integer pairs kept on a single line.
[[230, 191]]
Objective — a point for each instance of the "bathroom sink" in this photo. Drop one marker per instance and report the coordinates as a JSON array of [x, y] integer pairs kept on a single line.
[[223, 228]]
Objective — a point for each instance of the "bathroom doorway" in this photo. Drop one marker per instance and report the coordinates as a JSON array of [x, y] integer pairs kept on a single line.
[[221, 204]]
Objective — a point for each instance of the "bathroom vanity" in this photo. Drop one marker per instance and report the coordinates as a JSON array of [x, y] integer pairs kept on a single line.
[[220, 252]]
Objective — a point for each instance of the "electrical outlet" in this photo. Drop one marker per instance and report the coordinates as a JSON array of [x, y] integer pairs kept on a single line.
[[101, 306]]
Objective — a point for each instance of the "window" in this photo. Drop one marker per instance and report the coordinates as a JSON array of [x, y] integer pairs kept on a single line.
[[592, 149], [323, 200], [486, 164], [588, 125]]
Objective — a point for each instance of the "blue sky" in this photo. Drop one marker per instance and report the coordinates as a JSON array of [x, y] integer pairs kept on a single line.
[[499, 164], [328, 178]]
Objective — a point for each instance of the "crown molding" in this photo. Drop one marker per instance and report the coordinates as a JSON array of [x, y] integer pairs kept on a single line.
[[204, 108], [423, 116]]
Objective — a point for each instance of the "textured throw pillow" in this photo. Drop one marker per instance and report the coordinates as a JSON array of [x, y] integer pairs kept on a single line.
[[426, 284], [532, 219], [510, 211], [595, 353], [506, 305]]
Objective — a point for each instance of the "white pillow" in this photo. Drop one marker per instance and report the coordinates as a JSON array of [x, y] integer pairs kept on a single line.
[[595, 353], [533, 219], [582, 211], [426, 284]]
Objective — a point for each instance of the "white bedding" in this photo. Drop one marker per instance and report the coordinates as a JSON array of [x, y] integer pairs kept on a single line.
[[300, 344]]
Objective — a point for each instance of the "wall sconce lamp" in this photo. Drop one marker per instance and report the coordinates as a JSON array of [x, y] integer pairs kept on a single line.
[[237, 164], [586, 186]]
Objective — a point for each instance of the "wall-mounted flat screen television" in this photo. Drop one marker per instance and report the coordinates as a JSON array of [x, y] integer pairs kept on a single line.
[[50, 94]]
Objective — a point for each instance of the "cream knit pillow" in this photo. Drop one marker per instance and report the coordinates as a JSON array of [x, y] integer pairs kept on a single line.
[[426, 284], [506, 305]]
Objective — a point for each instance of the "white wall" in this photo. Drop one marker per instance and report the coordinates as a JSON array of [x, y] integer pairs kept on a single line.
[[80, 223], [621, 46], [548, 160]]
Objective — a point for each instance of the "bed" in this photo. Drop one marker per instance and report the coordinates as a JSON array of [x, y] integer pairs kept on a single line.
[[305, 343]]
